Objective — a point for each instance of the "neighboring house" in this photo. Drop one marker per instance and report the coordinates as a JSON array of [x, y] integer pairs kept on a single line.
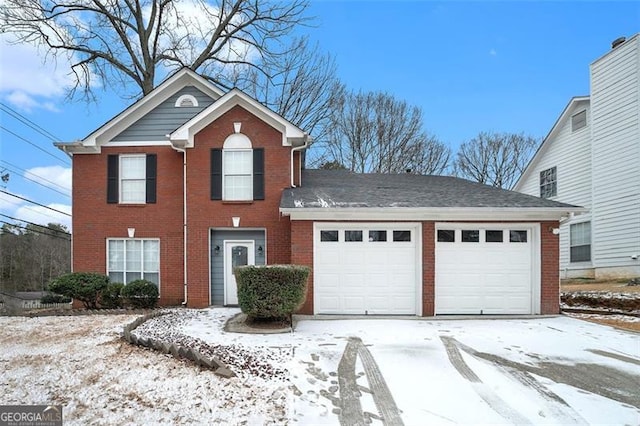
[[591, 157], [190, 182]]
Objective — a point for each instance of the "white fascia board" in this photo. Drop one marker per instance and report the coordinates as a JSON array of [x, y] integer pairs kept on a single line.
[[137, 143], [169, 87], [187, 131], [431, 214], [544, 146], [71, 148]]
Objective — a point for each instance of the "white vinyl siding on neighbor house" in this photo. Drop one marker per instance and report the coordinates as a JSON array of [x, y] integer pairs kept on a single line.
[[616, 155], [131, 259], [570, 153]]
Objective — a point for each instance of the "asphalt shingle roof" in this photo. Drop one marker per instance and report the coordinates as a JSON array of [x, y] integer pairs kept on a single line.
[[344, 189]]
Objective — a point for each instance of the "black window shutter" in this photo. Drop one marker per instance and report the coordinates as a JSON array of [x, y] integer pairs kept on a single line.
[[152, 171], [258, 174], [112, 178], [216, 174]]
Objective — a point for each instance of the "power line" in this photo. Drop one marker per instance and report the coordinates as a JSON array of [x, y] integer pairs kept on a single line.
[[36, 231], [64, 161], [38, 176], [33, 202], [35, 224], [15, 114], [39, 183]]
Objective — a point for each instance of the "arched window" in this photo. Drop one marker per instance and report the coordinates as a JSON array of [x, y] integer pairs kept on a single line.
[[186, 101]]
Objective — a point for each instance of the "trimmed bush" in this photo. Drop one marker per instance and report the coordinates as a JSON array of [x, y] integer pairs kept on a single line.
[[110, 298], [54, 298], [141, 294], [273, 291], [83, 286]]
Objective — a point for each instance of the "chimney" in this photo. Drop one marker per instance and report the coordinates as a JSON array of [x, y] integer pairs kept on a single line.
[[617, 42]]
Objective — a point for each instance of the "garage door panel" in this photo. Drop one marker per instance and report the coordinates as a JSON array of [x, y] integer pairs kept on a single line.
[[483, 277], [373, 277]]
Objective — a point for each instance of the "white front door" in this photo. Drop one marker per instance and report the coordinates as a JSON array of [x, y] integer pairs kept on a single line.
[[236, 253]]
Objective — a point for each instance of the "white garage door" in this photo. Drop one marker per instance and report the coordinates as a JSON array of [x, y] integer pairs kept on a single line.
[[484, 269], [365, 269]]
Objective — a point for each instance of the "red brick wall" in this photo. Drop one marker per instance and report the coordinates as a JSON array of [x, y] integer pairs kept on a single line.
[[302, 254], [549, 269], [204, 213], [94, 220], [428, 268]]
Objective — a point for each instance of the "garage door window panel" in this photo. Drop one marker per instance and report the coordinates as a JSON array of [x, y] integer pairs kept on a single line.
[[402, 236], [329, 236], [377, 236], [470, 236], [494, 236], [353, 236], [446, 236], [516, 236]]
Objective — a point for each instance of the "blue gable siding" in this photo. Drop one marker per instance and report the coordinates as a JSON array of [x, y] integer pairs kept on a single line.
[[165, 118]]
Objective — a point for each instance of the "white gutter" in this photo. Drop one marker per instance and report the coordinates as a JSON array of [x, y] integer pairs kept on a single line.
[[489, 214], [298, 148], [184, 218]]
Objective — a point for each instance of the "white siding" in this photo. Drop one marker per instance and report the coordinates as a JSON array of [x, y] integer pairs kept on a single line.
[[570, 153], [615, 133]]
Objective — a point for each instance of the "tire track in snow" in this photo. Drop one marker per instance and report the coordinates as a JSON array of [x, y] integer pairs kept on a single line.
[[488, 395]]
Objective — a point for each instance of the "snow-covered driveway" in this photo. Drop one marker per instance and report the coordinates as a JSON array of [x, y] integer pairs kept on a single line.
[[521, 371], [411, 371]]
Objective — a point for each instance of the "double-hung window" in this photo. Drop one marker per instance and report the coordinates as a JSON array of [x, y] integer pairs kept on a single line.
[[131, 178], [580, 242], [133, 259], [237, 175]]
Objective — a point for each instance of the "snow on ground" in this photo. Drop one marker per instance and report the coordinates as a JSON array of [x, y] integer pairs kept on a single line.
[[539, 371], [513, 386], [81, 363]]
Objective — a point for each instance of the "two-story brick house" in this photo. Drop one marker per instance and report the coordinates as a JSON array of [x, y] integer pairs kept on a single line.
[[189, 182]]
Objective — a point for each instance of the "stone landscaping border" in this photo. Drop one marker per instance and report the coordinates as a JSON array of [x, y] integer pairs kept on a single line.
[[177, 351]]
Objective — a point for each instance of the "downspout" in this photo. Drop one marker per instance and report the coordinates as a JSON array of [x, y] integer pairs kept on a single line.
[[184, 219], [298, 148]]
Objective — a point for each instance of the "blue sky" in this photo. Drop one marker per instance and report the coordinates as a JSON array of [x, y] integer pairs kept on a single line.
[[470, 66]]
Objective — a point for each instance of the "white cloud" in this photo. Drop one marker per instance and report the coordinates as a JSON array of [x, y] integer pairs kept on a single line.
[[26, 81], [493, 52], [58, 175]]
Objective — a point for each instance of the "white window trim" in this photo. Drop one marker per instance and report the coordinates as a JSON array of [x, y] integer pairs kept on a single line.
[[120, 178], [183, 98], [141, 254]]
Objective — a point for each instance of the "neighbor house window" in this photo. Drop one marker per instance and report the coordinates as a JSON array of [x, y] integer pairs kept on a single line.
[[133, 259], [548, 183], [579, 120], [580, 242], [131, 178]]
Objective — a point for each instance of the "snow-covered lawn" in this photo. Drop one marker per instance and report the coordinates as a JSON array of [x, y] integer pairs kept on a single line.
[[539, 371], [81, 363]]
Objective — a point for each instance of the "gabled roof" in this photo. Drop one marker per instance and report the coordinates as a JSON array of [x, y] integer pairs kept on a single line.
[[113, 127], [568, 111], [340, 194], [291, 134]]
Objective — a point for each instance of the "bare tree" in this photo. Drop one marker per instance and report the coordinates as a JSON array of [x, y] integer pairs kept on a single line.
[[132, 40], [496, 159], [374, 132], [301, 86]]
